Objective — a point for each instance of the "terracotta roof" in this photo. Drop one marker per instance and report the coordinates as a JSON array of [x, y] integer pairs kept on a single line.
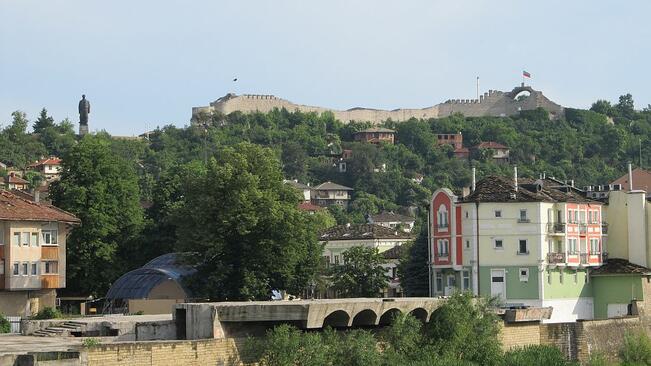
[[491, 145], [46, 161], [307, 206], [393, 253], [329, 186], [500, 189], [15, 179], [462, 150], [16, 208], [390, 217], [618, 266], [376, 129], [363, 231], [641, 180]]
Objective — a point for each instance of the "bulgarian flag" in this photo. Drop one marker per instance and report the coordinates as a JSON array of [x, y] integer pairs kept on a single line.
[[526, 74]]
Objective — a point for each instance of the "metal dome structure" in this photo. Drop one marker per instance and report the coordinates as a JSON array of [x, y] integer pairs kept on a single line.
[[137, 284]]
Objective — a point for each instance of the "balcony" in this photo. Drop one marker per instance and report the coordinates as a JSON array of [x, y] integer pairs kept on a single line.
[[583, 258], [583, 228], [556, 228], [555, 258], [524, 220]]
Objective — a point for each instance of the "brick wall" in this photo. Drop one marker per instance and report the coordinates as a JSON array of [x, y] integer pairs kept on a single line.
[[519, 335], [228, 351]]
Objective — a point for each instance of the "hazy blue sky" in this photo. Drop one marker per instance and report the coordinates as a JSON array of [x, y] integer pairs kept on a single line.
[[146, 63]]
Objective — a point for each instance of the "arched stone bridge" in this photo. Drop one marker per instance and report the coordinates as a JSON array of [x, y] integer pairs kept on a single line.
[[211, 320]]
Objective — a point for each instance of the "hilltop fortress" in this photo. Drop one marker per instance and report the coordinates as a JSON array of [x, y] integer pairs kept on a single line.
[[493, 103]]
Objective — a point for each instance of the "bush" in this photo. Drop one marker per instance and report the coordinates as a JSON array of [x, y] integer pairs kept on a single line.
[[636, 350], [536, 355], [599, 359], [90, 342], [5, 326], [48, 313]]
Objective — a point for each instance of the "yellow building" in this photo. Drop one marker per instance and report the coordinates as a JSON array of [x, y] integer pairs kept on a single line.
[[32, 254]]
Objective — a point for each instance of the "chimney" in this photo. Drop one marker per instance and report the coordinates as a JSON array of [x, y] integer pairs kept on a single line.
[[474, 179], [37, 195], [630, 177], [515, 177]]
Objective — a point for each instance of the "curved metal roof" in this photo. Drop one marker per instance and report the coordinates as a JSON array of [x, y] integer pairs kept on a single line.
[[138, 283]]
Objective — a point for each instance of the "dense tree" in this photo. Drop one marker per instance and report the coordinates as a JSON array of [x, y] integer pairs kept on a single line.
[[361, 274], [43, 122], [413, 269], [102, 190], [244, 224]]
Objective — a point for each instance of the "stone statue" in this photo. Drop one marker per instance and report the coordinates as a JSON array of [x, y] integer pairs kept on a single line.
[[84, 110]]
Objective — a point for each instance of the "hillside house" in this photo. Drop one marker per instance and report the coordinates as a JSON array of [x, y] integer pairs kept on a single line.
[[375, 135], [456, 141], [499, 153], [13, 181], [392, 221], [328, 194], [50, 168], [32, 254]]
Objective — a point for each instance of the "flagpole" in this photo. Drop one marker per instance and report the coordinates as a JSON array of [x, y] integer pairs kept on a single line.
[[477, 88]]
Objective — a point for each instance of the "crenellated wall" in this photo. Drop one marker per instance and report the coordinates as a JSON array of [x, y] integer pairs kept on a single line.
[[492, 103]]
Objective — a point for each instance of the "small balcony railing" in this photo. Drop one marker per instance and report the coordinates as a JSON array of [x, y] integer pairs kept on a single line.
[[583, 228], [553, 258], [583, 258], [524, 220], [556, 228], [604, 228]]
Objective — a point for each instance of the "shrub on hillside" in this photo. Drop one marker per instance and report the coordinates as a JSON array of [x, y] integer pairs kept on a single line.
[[5, 326], [48, 313], [536, 355], [636, 350]]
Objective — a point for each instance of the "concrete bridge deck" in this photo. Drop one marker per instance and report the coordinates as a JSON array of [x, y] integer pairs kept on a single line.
[[215, 320]]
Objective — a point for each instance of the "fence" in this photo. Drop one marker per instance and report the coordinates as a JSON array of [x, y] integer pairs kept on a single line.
[[14, 321]]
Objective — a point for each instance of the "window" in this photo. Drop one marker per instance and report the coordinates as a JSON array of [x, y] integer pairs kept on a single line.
[[442, 217], [336, 259], [466, 214], [571, 245], [582, 216], [442, 247], [523, 216], [467, 244], [34, 240], [2, 237], [439, 281], [49, 237], [25, 239], [522, 247], [498, 213], [34, 268], [524, 274], [2, 267], [498, 244], [16, 266], [53, 267], [590, 217], [594, 246], [15, 239], [466, 280], [25, 269]]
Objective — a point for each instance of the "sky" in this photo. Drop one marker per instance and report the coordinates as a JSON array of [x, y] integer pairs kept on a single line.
[[146, 63]]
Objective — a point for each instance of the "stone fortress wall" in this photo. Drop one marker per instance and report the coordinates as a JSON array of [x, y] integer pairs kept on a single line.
[[493, 103]]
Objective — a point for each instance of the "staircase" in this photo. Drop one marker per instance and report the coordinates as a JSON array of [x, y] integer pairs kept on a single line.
[[61, 330]]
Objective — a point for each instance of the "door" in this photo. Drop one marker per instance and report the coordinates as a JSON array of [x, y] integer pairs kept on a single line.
[[449, 285], [498, 284]]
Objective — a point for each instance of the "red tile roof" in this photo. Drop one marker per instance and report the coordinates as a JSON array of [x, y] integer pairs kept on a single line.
[[307, 206], [15, 180], [16, 208], [46, 161], [641, 180], [491, 145]]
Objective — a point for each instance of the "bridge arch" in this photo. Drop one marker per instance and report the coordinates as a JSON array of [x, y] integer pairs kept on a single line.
[[388, 315], [336, 319], [365, 317], [420, 314]]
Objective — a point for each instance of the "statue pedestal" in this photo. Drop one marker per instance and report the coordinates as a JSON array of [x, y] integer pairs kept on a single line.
[[83, 130]]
